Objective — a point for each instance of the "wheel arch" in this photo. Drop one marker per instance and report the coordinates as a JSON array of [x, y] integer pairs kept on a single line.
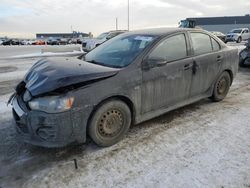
[[122, 98], [230, 74]]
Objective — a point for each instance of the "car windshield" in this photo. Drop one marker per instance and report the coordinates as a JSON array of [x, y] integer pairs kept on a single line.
[[236, 31], [119, 51], [103, 35]]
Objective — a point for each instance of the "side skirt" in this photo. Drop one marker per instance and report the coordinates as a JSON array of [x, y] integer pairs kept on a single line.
[[161, 111]]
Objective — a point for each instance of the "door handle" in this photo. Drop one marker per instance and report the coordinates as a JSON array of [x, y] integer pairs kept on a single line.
[[187, 66], [219, 58]]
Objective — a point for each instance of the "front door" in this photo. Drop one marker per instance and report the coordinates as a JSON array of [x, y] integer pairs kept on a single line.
[[245, 34], [168, 83]]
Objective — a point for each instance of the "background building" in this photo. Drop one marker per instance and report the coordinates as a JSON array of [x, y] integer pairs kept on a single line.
[[222, 24], [61, 35]]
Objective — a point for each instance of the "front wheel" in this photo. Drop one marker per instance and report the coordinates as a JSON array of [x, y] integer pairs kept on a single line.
[[109, 123], [239, 40], [221, 87], [242, 63]]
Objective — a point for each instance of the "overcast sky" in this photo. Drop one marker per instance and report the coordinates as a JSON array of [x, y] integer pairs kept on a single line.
[[27, 17]]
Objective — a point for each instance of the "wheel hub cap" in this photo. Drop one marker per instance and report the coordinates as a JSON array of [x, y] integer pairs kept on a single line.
[[110, 123], [221, 87]]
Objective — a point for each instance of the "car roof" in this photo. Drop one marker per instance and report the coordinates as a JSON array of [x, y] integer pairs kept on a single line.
[[239, 29], [162, 31], [117, 31]]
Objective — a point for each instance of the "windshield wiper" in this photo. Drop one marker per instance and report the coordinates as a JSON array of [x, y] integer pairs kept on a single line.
[[95, 62], [103, 64]]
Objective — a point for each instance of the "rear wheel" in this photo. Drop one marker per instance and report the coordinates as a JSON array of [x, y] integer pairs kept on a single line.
[[221, 87], [109, 123]]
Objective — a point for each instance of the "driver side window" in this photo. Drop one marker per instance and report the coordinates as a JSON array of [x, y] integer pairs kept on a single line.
[[171, 49]]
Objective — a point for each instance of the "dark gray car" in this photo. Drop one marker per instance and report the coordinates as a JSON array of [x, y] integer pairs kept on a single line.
[[129, 79]]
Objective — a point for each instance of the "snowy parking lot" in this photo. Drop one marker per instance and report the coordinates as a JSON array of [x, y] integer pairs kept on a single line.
[[205, 144]]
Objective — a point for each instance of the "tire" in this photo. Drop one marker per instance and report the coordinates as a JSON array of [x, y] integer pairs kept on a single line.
[[239, 40], [109, 123], [247, 62], [241, 63], [221, 87]]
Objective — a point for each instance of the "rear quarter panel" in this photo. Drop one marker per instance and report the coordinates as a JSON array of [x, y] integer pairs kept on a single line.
[[231, 62]]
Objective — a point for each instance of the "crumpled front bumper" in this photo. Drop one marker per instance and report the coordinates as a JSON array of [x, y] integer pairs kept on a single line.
[[48, 130]]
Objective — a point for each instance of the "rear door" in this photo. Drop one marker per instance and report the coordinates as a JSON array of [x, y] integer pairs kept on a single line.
[[168, 84], [207, 57]]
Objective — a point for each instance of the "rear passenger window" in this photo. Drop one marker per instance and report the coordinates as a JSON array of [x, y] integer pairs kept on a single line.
[[171, 49], [201, 43], [215, 44]]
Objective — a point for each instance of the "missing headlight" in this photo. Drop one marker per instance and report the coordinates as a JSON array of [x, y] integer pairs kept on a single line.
[[27, 96]]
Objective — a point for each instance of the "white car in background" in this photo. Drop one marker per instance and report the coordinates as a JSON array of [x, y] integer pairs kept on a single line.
[[89, 44], [238, 35]]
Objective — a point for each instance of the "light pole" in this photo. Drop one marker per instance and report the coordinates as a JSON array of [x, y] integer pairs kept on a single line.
[[128, 15], [116, 24]]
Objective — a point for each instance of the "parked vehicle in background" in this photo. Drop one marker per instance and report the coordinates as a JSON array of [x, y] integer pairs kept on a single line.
[[53, 42], [28, 42], [220, 35], [245, 55], [89, 44], [73, 41], [24, 42], [32, 42], [63, 41], [11, 42], [187, 23], [238, 35], [129, 79], [40, 42]]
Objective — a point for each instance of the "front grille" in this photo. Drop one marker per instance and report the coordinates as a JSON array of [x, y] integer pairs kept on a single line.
[[22, 127]]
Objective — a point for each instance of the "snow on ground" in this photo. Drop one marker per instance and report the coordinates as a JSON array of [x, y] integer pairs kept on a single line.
[[48, 54], [201, 145], [10, 51]]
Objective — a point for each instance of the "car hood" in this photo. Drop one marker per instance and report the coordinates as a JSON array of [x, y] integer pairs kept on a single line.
[[51, 74]]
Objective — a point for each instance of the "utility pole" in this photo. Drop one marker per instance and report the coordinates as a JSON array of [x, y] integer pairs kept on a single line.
[[116, 24], [128, 15]]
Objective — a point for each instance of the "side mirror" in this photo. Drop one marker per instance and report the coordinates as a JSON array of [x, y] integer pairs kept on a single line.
[[109, 37], [152, 62]]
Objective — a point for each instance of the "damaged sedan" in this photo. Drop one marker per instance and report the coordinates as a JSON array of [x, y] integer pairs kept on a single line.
[[129, 79]]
